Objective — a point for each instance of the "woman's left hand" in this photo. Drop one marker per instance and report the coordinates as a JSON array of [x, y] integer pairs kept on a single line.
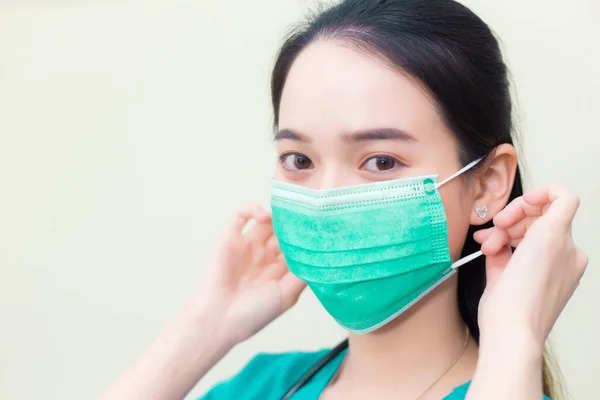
[[526, 291]]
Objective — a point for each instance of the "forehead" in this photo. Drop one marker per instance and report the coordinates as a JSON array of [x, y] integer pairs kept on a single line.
[[333, 88]]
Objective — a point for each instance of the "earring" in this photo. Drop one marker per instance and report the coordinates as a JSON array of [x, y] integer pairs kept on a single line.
[[481, 211]]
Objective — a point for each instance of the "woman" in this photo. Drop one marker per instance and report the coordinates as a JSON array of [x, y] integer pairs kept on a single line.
[[374, 100]]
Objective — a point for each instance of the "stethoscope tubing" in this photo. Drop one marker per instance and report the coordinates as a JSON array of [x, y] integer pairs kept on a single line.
[[312, 371]]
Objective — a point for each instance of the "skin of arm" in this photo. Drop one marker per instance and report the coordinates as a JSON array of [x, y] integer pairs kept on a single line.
[[190, 345], [509, 367]]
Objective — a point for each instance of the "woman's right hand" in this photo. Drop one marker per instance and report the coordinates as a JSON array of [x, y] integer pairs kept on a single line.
[[246, 286], [247, 283]]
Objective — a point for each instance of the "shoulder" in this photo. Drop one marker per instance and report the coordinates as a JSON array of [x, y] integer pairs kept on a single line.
[[265, 376]]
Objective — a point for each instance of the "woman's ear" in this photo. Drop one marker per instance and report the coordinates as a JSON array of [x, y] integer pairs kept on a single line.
[[495, 183]]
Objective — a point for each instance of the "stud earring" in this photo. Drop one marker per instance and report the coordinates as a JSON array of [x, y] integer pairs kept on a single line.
[[481, 211]]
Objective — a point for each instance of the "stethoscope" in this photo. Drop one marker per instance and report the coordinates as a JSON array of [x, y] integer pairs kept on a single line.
[[308, 375]]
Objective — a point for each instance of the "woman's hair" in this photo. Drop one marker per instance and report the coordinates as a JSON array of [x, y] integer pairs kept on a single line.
[[454, 55]]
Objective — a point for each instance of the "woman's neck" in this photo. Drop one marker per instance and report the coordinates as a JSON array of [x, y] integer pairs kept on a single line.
[[411, 352]]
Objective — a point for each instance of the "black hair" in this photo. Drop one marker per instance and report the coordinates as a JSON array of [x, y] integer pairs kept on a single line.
[[454, 55]]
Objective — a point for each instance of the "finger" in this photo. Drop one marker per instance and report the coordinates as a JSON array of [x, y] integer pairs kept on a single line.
[[563, 205], [275, 270], [271, 250], [254, 211], [497, 239], [290, 286], [260, 233], [272, 246], [515, 242], [262, 215], [544, 194], [518, 230], [243, 215], [515, 211], [257, 263], [495, 265], [481, 235]]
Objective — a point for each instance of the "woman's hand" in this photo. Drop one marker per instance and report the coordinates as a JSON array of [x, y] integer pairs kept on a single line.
[[247, 285], [525, 292], [247, 280], [528, 290]]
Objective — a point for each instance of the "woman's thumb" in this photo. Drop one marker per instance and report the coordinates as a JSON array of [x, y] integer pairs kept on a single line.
[[495, 265]]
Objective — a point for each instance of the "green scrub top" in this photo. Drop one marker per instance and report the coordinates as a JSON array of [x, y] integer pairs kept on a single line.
[[270, 376]]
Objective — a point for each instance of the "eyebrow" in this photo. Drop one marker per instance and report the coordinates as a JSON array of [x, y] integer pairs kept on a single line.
[[289, 134], [358, 136], [379, 134]]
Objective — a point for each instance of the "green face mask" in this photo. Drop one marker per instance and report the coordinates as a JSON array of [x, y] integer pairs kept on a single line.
[[368, 252]]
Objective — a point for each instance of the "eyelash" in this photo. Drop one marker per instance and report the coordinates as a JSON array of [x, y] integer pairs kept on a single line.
[[284, 157], [395, 161]]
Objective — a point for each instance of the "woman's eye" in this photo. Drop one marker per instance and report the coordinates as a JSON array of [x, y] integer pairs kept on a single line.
[[295, 161], [380, 163]]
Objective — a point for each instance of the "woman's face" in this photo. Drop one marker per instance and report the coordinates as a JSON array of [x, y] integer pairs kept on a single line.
[[346, 118]]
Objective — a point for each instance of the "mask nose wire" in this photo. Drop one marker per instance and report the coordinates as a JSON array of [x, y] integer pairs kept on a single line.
[[458, 173]]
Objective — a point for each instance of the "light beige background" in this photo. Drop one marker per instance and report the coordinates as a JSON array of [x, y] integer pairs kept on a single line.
[[130, 131]]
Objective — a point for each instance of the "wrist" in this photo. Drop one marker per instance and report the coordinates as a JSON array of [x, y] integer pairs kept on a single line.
[[510, 347], [206, 315], [509, 366], [510, 337]]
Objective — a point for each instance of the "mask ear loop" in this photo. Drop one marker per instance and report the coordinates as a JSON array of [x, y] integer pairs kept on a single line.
[[464, 169], [466, 259], [458, 173]]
